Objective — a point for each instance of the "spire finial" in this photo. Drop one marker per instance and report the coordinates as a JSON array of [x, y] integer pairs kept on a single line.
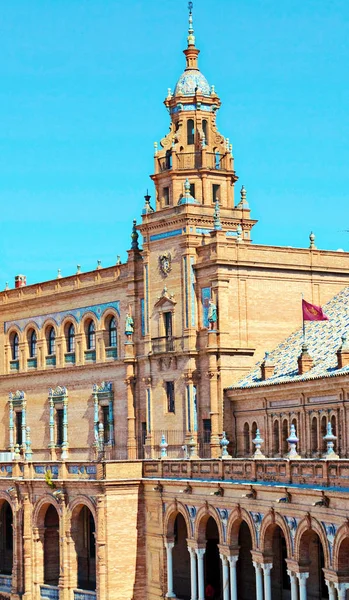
[[217, 216], [191, 36], [134, 236]]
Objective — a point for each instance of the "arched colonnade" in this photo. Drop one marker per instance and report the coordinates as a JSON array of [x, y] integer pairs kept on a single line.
[[217, 553], [56, 542]]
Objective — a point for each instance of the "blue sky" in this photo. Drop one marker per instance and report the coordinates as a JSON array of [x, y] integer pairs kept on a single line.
[[82, 86]]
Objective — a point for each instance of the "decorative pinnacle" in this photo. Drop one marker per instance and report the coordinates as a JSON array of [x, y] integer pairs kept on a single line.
[[187, 188], [312, 240], [134, 236], [191, 36], [147, 207]]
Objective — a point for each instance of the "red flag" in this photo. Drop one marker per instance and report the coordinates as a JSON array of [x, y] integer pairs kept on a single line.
[[312, 312]]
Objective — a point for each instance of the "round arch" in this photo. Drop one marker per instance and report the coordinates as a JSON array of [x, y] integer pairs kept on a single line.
[[342, 536], [269, 523], [202, 517], [301, 552], [41, 507], [107, 314], [170, 517], [236, 518]]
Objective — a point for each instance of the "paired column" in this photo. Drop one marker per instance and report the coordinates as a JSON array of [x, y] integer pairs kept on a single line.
[[169, 548], [294, 585], [267, 567], [331, 590], [52, 428], [11, 427], [259, 580], [193, 575], [302, 578], [225, 573], [200, 552], [64, 454], [342, 590], [24, 425], [233, 580]]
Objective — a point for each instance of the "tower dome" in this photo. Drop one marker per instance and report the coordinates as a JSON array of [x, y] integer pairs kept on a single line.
[[192, 81]]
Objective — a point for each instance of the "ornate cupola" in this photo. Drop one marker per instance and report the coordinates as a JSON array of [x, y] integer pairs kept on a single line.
[[194, 166]]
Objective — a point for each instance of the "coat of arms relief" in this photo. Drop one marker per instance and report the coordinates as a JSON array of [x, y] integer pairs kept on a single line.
[[165, 263]]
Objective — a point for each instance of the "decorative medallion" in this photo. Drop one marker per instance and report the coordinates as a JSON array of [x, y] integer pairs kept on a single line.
[[165, 263]]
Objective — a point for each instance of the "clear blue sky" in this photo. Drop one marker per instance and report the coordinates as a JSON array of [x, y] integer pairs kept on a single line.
[[82, 86]]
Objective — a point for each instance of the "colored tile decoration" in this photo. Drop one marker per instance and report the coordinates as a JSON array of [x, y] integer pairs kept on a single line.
[[231, 233], [192, 290], [90, 355], [190, 107], [91, 470], [186, 290], [49, 591], [69, 358], [14, 365], [40, 469], [58, 317], [205, 298], [191, 82], [84, 595], [5, 583], [323, 339], [111, 352], [166, 234], [142, 317], [32, 363], [50, 361], [73, 469]]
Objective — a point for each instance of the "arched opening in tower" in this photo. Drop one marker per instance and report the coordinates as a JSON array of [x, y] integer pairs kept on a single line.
[[181, 560], [312, 557], [51, 546], [83, 533], [246, 578], [6, 539], [212, 561]]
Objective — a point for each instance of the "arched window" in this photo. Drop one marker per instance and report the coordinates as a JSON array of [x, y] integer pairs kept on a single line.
[[276, 438], [15, 346], [51, 341], [32, 344], [91, 336], [323, 432], [190, 132], [246, 439], [71, 338], [205, 130], [314, 444], [284, 436], [112, 332]]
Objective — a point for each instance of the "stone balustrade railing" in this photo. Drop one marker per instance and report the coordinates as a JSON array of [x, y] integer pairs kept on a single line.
[[318, 472]]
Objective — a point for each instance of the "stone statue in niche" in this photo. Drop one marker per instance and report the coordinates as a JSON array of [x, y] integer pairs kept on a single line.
[[212, 315], [129, 326]]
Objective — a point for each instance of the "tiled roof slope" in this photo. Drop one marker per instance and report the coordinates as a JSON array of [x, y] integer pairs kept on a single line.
[[323, 338]]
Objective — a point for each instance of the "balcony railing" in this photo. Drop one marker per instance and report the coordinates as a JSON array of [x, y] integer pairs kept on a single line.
[[51, 360], [90, 355], [84, 595], [165, 344], [14, 365], [32, 363], [69, 358], [5, 583], [195, 160], [49, 592]]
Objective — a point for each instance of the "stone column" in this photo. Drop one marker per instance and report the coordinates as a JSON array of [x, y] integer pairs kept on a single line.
[[201, 572], [294, 585], [225, 573], [169, 548], [342, 590], [331, 590], [233, 581], [11, 427], [24, 425], [131, 419], [52, 430], [302, 578], [267, 567], [63, 583], [193, 574], [259, 581], [65, 444], [111, 421], [95, 418]]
